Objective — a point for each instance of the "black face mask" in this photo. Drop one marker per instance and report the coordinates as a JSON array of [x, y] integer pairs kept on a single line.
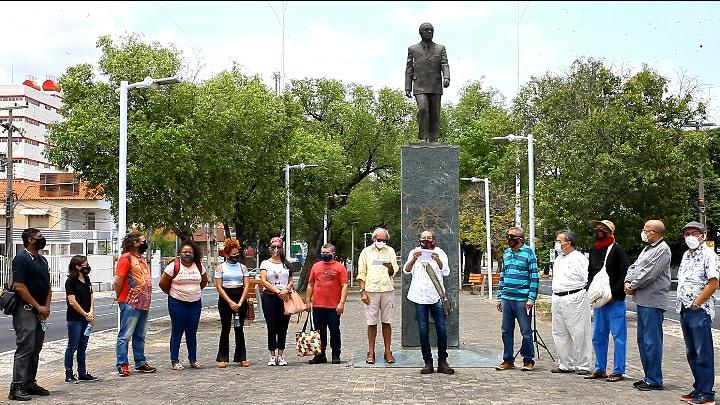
[[234, 259], [143, 247], [188, 257], [599, 233], [85, 270], [426, 244], [40, 243], [513, 241]]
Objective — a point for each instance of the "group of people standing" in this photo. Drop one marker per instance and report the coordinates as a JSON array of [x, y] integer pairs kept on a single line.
[[647, 281]]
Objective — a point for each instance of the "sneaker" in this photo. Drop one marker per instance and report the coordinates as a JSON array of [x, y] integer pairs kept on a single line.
[[71, 379], [505, 366], [87, 377], [528, 366], [649, 387], [145, 368], [34, 389], [18, 394], [688, 397], [318, 359], [281, 361], [272, 361], [123, 370], [702, 401]]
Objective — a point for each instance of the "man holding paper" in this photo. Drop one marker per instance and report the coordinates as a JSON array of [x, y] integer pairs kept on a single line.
[[428, 265], [377, 266]]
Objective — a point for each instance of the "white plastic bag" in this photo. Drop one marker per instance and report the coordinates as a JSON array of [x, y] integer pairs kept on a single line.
[[599, 292]]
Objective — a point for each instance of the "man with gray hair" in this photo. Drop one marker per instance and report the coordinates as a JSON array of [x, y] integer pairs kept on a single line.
[[377, 265], [648, 282], [570, 307]]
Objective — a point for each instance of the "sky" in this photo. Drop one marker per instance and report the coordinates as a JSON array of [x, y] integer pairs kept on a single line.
[[366, 42]]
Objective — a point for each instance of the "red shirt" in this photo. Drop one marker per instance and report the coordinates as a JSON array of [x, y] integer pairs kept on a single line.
[[137, 286], [328, 279]]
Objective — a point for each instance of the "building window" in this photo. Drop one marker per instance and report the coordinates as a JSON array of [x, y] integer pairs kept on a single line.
[[76, 248], [38, 221], [90, 220]]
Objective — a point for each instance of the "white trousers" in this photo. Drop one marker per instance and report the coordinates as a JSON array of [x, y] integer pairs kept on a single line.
[[571, 331]]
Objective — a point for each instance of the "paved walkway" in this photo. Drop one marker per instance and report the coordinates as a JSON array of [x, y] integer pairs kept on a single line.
[[327, 383]]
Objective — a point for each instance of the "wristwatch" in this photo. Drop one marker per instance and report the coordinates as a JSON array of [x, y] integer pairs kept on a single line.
[[694, 306], [362, 290]]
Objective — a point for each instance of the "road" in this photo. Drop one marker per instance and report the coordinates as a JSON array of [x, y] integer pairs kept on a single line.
[[105, 315], [546, 288]]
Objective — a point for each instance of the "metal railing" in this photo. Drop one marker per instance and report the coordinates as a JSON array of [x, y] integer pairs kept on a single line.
[[102, 270]]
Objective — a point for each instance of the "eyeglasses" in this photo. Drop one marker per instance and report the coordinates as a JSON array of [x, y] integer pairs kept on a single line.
[[693, 233], [381, 240]]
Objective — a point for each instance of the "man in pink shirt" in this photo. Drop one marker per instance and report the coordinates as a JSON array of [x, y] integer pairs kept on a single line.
[[326, 294]]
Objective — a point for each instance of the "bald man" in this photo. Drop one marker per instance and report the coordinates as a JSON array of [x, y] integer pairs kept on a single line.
[[648, 282]]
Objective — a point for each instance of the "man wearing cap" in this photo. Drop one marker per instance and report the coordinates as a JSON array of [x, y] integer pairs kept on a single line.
[[610, 318], [648, 282], [697, 281]]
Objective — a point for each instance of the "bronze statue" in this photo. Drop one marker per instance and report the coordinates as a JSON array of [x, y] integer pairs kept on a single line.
[[426, 74]]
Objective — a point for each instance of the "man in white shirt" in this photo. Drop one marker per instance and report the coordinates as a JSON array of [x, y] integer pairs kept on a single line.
[[427, 298], [570, 307]]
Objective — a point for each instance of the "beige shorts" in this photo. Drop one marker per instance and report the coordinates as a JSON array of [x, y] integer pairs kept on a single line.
[[381, 304]]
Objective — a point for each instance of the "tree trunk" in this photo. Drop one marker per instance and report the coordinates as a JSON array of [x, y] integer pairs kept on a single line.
[[473, 258], [313, 255]]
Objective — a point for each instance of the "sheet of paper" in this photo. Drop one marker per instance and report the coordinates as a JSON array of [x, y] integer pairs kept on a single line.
[[379, 262], [426, 255]]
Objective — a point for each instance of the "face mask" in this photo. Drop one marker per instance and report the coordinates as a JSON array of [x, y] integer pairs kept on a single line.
[[693, 242], [599, 234], [40, 243], [643, 236], [326, 257], [85, 270], [234, 259], [188, 257], [275, 250], [426, 244], [513, 241], [558, 248], [380, 244], [143, 247]]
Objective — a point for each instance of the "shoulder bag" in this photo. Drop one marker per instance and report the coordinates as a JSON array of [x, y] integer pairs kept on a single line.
[[599, 292], [307, 342], [447, 303], [294, 303]]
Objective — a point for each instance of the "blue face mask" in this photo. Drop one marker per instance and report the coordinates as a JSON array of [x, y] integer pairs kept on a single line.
[[326, 257]]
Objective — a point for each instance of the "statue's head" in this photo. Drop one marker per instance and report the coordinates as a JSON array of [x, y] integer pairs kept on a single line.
[[426, 31]]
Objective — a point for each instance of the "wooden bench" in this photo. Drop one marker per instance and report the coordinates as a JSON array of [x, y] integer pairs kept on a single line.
[[252, 298], [475, 281]]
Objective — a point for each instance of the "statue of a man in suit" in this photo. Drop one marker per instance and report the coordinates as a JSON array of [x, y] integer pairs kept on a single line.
[[426, 74]]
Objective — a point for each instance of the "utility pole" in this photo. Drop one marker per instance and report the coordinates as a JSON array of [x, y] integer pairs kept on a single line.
[[702, 208], [9, 201]]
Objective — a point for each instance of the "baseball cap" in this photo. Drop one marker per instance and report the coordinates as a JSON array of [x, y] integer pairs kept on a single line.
[[693, 224], [605, 222]]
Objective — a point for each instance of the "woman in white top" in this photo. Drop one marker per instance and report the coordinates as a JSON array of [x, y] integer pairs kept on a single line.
[[277, 281], [232, 281], [183, 281]]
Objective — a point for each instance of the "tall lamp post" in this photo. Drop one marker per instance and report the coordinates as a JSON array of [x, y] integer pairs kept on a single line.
[[352, 252], [287, 168], [149, 82], [702, 211], [325, 218], [488, 246], [531, 181]]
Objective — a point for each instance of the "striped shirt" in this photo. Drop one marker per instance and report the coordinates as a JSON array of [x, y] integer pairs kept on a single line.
[[519, 275]]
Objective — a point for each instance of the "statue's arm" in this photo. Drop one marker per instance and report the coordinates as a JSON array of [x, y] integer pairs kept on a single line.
[[444, 65], [409, 72]]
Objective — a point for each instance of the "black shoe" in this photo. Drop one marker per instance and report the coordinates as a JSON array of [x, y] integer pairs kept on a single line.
[[71, 379], [145, 368], [428, 369], [18, 394], [34, 389], [444, 368], [636, 383], [318, 359], [87, 377], [560, 370], [335, 359], [648, 387]]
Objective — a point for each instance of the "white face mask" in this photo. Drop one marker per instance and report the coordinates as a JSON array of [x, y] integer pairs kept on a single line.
[[380, 245], [644, 236], [558, 248], [693, 242]]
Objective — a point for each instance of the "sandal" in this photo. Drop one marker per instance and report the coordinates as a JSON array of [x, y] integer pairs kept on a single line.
[[389, 359], [177, 366], [221, 364], [195, 365], [615, 378], [370, 358], [596, 374], [245, 363]]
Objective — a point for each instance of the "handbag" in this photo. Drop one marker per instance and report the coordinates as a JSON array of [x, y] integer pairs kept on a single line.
[[8, 299], [294, 304], [308, 343], [599, 292], [447, 303]]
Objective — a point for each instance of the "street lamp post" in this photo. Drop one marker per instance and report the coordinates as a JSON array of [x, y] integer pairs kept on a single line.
[[702, 212], [531, 180], [488, 246], [325, 218], [149, 82], [365, 238], [287, 168]]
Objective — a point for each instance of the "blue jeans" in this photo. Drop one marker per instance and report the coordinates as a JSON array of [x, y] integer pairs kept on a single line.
[[650, 342], [324, 319], [438, 315], [133, 326], [699, 350], [512, 310], [77, 342], [610, 318], [184, 318]]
